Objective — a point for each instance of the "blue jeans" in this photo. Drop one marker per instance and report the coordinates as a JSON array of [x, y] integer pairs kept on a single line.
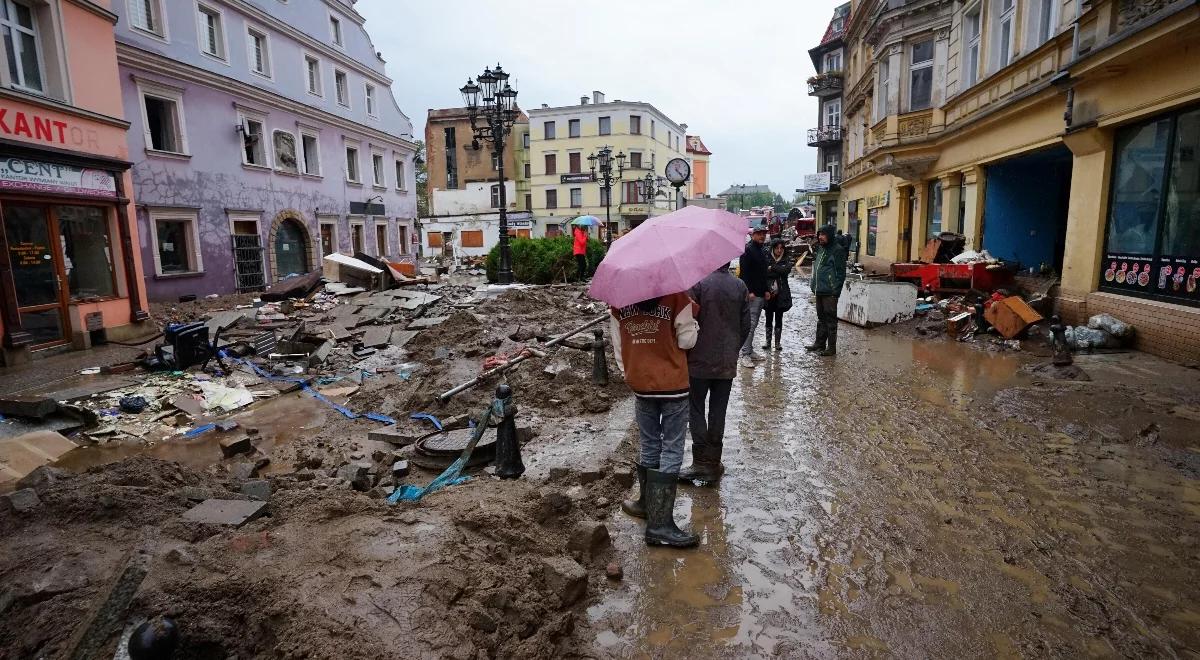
[[662, 426], [756, 307]]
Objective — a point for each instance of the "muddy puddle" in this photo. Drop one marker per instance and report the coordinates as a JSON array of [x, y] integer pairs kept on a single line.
[[919, 498], [279, 421]]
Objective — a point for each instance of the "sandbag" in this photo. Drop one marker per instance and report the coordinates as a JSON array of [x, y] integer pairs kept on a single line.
[[1112, 325]]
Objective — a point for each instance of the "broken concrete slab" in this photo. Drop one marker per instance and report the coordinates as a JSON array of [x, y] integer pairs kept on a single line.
[[234, 445], [233, 513], [32, 405], [397, 437], [588, 536], [22, 501], [222, 320], [189, 405], [429, 322], [242, 471], [565, 578], [23, 454], [319, 356], [400, 338], [377, 336], [357, 474], [259, 489], [400, 469]]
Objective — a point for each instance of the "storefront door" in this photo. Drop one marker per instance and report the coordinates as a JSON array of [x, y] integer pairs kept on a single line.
[[38, 275], [291, 253]]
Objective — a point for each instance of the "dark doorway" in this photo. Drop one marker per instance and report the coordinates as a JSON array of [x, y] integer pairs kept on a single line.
[[1025, 209], [291, 249]]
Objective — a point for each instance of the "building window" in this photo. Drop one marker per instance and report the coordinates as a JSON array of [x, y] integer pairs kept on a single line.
[[933, 220], [833, 113], [254, 151], [381, 238], [548, 130], [177, 243], [496, 196], [378, 177], [920, 76], [401, 179], [833, 61], [576, 198], [1045, 17], [632, 193], [971, 26], [525, 140], [669, 139], [335, 30], [654, 129], [402, 239], [573, 128], [285, 152], [1152, 246], [329, 242], [603, 196], [553, 230], [872, 231], [471, 238], [551, 164], [551, 198], [528, 202], [1004, 35], [212, 32], [146, 15], [22, 45], [495, 163], [311, 151], [574, 161], [164, 127], [341, 87], [87, 251], [451, 143], [605, 126], [635, 125], [528, 171], [635, 160], [833, 165], [312, 70], [357, 236], [370, 96], [260, 51], [885, 85], [352, 165]]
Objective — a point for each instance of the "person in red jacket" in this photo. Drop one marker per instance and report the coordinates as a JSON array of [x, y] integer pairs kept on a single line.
[[651, 340], [580, 251]]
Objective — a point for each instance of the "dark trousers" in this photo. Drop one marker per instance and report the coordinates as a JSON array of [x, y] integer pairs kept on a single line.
[[708, 431], [775, 320], [581, 265], [827, 320]]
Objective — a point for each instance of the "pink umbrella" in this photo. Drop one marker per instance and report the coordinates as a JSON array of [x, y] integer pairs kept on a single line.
[[668, 254]]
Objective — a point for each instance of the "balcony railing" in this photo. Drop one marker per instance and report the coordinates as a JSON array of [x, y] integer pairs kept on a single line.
[[824, 136], [825, 84]]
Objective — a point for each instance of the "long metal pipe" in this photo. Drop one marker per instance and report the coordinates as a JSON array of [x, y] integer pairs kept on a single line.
[[445, 396]]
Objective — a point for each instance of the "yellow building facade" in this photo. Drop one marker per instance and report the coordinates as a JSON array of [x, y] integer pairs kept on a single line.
[[1060, 136], [562, 138]]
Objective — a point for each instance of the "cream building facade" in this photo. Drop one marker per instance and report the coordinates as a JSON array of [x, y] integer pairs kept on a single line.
[[562, 138], [1059, 135]]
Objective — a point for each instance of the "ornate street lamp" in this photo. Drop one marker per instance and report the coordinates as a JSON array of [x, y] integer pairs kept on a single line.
[[492, 106], [602, 161]]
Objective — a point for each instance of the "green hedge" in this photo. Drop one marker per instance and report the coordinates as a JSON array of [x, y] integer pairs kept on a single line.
[[544, 260]]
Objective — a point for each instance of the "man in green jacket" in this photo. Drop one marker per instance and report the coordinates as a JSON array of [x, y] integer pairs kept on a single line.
[[828, 276]]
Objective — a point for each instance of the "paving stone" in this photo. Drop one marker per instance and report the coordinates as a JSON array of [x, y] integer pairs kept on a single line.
[[259, 489], [565, 578], [393, 436], [377, 335], [400, 469], [358, 475], [234, 513], [22, 501], [319, 356], [234, 445], [588, 537], [242, 471]]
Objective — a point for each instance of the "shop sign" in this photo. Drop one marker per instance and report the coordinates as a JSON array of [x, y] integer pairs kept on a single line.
[[576, 178], [520, 223], [41, 128], [1165, 276], [36, 176], [879, 199], [818, 182]]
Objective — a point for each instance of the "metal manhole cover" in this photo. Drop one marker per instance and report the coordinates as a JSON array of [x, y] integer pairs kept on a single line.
[[451, 443]]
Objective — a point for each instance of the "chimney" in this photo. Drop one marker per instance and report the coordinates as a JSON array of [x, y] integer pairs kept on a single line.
[[598, 96], [545, 105], [684, 127], [583, 100]]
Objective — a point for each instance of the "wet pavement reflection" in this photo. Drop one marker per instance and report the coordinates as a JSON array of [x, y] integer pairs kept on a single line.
[[918, 498]]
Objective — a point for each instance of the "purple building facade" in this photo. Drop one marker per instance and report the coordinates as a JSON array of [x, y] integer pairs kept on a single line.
[[264, 136]]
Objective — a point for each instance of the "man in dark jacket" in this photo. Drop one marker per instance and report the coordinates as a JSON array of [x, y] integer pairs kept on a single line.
[[828, 276], [752, 266], [712, 366]]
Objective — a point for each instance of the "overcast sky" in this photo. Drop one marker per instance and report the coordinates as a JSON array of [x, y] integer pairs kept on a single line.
[[734, 72]]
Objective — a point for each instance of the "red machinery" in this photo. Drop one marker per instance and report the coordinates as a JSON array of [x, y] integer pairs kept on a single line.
[[953, 278]]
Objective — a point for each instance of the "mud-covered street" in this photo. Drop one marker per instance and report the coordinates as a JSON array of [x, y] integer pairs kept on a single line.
[[928, 499]]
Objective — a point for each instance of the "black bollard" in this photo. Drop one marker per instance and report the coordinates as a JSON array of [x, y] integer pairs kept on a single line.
[[1062, 351], [981, 324], [508, 448], [599, 360]]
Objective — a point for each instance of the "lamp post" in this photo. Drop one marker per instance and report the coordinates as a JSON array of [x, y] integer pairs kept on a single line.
[[651, 185], [492, 106], [602, 161]]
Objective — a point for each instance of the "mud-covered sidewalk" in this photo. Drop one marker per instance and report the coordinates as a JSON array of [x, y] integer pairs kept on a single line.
[[923, 498]]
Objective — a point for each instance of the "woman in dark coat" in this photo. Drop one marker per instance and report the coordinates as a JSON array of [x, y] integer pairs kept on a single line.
[[779, 293]]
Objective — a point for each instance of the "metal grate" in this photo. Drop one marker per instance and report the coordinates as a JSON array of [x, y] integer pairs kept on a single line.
[[247, 257]]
